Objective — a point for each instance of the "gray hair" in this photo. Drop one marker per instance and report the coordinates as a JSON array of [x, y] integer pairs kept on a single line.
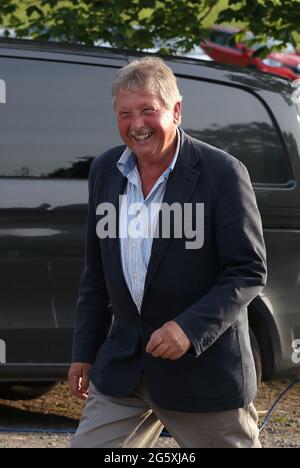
[[151, 74]]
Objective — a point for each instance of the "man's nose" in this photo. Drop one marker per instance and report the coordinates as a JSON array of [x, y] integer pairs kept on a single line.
[[137, 122]]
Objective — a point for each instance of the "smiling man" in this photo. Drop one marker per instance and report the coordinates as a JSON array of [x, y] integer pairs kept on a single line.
[[162, 335]]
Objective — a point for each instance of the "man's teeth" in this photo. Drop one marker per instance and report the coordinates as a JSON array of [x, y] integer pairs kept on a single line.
[[142, 137]]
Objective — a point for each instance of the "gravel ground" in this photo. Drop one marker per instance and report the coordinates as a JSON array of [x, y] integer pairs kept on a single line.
[[60, 410], [57, 441]]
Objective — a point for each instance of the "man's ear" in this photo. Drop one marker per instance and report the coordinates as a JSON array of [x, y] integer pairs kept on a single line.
[[177, 112]]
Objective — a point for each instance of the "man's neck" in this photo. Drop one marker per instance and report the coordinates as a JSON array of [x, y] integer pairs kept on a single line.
[[152, 169]]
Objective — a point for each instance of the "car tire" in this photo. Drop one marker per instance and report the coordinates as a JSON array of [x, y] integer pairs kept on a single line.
[[257, 357], [24, 390]]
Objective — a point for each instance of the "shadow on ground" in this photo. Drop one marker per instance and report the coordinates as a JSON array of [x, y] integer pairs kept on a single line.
[[20, 418]]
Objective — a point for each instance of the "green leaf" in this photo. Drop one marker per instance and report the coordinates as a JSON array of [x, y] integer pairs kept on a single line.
[[34, 9], [140, 23]]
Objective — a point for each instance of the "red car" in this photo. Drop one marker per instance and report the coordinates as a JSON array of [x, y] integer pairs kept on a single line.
[[223, 48]]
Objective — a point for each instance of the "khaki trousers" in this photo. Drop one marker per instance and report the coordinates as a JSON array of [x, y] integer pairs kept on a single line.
[[136, 422]]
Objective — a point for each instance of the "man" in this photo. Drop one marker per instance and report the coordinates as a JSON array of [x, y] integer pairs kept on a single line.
[[178, 352]]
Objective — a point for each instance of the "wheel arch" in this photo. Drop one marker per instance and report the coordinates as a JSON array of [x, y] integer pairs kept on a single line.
[[262, 324]]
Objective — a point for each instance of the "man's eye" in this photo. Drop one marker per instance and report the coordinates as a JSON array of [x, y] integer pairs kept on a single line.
[[148, 111]]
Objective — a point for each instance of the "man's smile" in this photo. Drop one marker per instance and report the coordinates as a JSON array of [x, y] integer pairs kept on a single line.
[[140, 137]]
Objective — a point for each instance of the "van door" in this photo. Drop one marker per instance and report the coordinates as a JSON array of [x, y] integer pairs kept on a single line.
[[55, 119]]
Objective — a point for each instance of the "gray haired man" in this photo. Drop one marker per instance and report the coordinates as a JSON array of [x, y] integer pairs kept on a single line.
[[178, 351]]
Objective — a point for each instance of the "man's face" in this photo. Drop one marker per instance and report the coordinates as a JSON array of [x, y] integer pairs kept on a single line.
[[144, 123]]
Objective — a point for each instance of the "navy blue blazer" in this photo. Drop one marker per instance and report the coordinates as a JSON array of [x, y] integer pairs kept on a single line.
[[206, 291]]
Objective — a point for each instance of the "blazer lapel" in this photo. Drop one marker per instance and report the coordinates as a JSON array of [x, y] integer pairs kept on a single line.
[[115, 184], [180, 186]]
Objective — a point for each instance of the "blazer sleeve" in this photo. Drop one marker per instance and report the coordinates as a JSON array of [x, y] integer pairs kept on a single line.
[[242, 260], [93, 318]]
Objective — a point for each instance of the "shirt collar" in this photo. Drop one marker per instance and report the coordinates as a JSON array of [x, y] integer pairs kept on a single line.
[[127, 161]]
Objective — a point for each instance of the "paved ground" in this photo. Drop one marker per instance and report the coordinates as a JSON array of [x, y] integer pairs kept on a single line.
[[59, 410]]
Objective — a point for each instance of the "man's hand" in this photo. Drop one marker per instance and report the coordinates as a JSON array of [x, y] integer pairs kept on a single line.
[[78, 379], [168, 342]]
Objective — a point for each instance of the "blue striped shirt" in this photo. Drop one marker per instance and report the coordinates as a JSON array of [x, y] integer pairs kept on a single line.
[[137, 222]]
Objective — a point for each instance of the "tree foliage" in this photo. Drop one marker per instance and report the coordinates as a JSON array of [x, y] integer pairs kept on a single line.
[[279, 19], [140, 24]]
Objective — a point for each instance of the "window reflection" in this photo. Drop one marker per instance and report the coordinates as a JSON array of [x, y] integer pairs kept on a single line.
[[57, 119], [235, 121]]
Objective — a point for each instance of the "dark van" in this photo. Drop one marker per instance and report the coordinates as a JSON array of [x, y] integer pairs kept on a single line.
[[55, 118]]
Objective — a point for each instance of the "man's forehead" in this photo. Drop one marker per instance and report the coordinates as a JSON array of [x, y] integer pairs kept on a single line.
[[137, 95]]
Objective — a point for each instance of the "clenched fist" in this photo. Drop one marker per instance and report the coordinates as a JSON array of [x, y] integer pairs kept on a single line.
[[168, 342]]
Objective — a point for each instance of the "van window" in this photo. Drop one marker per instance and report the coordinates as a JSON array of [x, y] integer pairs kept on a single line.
[[235, 121], [57, 118]]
